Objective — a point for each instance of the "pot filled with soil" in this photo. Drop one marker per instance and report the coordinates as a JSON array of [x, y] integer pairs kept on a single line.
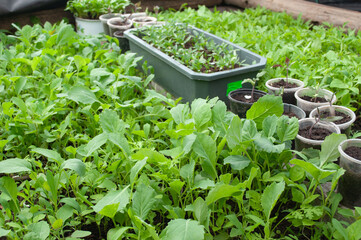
[[350, 182], [241, 100], [104, 19], [119, 24], [312, 133], [342, 116], [123, 41], [285, 87], [291, 110], [141, 21], [311, 98]]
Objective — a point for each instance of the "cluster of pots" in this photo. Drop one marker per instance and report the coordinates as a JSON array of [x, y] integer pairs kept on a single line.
[[114, 24], [294, 102]]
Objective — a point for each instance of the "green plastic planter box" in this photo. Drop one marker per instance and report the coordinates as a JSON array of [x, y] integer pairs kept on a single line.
[[183, 82]]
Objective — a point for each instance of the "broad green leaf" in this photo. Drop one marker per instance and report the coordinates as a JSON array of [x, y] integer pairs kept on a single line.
[[64, 212], [9, 187], [201, 112], [120, 196], [329, 148], [240, 131], [41, 228], [110, 122], [239, 228], [270, 197], [201, 211], [269, 125], [237, 162], [20, 84], [71, 202], [181, 229], [76, 165], [354, 230], [79, 61], [80, 234], [110, 210], [287, 129], [95, 144], [205, 147], [180, 113], [136, 169], [218, 117], [7, 108], [264, 144], [65, 35], [315, 171], [116, 233], [188, 142], [50, 154], [82, 94], [143, 201], [21, 105], [3, 232], [264, 107], [120, 141], [15, 165], [187, 171], [153, 156], [222, 191]]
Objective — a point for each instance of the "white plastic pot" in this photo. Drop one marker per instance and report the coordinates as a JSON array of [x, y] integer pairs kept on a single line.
[[302, 142], [309, 106], [104, 19], [350, 182], [88, 26], [114, 26], [288, 93], [134, 15], [344, 127], [141, 21]]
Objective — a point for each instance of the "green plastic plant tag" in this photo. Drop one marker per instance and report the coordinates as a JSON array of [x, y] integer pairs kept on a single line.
[[233, 86]]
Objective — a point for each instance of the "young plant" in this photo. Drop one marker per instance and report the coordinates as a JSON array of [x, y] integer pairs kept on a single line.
[[253, 82], [288, 64]]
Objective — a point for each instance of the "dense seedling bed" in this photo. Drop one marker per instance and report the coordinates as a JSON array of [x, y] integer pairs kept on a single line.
[[88, 150]]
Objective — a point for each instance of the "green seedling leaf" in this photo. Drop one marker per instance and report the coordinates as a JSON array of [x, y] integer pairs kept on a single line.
[[64, 212], [120, 141], [180, 229], [95, 144], [80, 234], [222, 191], [180, 113], [116, 233], [269, 126], [313, 170], [82, 94], [201, 112], [20, 84], [120, 197], [240, 131], [74, 164], [287, 129], [50, 154], [9, 187], [329, 148], [201, 211], [237, 162], [41, 229], [205, 147], [21, 105], [110, 210], [80, 62], [15, 165], [239, 228], [3, 232], [354, 230], [264, 144], [143, 201], [110, 122], [138, 166], [65, 35], [71, 202], [219, 111], [264, 107], [270, 197]]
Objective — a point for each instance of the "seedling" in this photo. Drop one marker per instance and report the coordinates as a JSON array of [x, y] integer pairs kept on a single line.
[[288, 64], [253, 82], [317, 120]]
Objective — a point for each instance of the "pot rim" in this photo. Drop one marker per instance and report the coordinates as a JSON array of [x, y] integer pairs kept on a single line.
[[343, 146], [336, 129], [343, 110], [256, 91], [300, 84]]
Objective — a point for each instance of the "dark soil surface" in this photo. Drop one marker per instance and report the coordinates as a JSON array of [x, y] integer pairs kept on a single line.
[[354, 152], [120, 23], [284, 83], [345, 118], [290, 114], [243, 97], [315, 134], [315, 100]]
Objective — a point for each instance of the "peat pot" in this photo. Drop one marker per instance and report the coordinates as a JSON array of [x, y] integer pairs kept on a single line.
[[302, 142], [293, 111], [240, 107], [288, 95], [350, 182], [88, 26], [308, 106], [181, 81], [344, 127]]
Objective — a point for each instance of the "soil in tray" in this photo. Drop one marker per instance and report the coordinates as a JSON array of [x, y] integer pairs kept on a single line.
[[316, 133], [246, 97], [345, 118], [314, 99], [284, 83]]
